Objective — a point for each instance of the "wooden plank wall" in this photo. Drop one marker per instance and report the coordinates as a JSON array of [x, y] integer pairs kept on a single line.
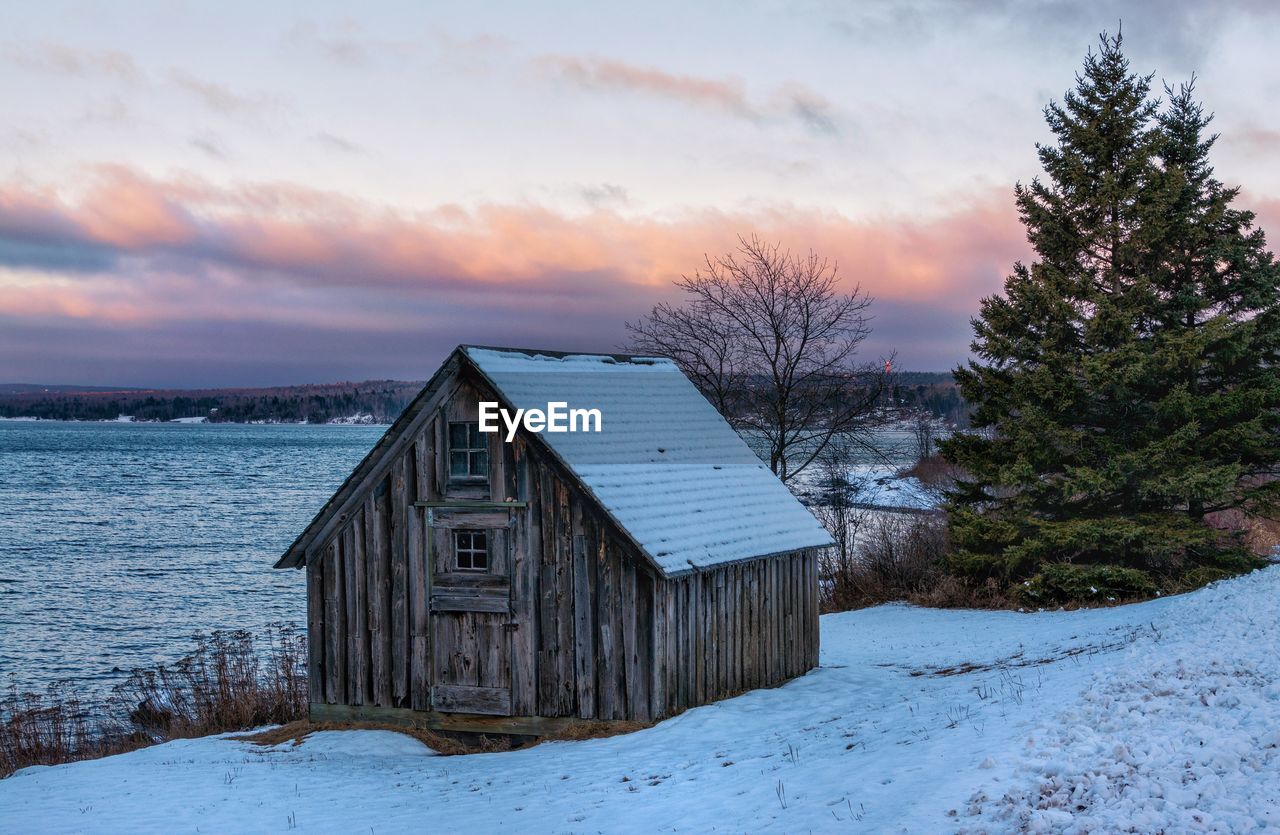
[[600, 635], [732, 629], [585, 651], [368, 594]]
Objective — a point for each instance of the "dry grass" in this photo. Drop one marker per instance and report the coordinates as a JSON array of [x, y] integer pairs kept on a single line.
[[587, 729], [56, 727], [934, 471], [229, 682], [950, 592], [899, 557], [1260, 535], [894, 557], [445, 744]]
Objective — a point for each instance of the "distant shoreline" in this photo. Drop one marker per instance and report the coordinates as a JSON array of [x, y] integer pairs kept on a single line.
[[369, 402], [200, 421]]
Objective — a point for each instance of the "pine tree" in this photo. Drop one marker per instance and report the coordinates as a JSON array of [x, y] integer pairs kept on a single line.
[[1126, 382]]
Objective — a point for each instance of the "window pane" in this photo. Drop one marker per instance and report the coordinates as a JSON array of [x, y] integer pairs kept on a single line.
[[477, 439], [470, 552], [479, 463], [458, 435], [457, 463], [462, 548]]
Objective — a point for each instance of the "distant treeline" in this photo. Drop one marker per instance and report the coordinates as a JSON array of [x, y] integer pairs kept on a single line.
[[382, 399], [934, 392]]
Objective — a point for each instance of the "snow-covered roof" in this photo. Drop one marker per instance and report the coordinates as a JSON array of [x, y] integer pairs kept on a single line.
[[665, 465]]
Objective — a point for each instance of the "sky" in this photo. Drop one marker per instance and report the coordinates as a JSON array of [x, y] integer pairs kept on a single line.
[[240, 194]]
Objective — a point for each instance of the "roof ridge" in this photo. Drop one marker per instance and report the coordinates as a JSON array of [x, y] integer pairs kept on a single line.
[[546, 352]]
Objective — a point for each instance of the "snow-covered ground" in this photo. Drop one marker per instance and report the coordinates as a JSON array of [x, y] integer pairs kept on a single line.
[[1158, 716], [881, 486], [358, 419]]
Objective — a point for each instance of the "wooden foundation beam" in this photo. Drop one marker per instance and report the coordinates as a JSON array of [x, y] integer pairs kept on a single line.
[[437, 721]]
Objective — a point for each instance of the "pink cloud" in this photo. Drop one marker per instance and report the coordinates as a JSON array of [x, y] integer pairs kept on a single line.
[[792, 100], [1268, 217], [608, 74], [272, 250], [73, 61], [1253, 139]]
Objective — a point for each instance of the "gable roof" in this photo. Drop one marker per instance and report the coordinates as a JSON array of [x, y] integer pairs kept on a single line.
[[665, 466], [295, 555]]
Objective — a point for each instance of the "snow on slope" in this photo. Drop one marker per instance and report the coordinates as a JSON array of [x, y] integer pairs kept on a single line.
[[1183, 735], [918, 721], [881, 486]]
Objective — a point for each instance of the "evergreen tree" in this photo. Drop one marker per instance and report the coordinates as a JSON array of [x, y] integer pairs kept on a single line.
[[1126, 382]]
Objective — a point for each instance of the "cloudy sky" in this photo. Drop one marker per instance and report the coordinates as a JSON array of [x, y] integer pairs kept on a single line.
[[246, 194]]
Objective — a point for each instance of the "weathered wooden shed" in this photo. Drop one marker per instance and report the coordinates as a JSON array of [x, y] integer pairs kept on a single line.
[[460, 581]]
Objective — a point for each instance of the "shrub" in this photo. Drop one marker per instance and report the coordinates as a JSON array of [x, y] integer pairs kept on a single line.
[[55, 728], [948, 591], [935, 471], [229, 682], [1202, 576], [895, 557], [1059, 583]]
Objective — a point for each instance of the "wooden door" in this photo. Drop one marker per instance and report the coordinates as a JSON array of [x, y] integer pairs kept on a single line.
[[471, 621]]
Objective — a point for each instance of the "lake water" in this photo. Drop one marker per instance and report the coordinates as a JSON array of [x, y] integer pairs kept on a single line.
[[120, 541]]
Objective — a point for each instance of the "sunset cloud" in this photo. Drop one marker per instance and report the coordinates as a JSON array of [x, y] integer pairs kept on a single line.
[[86, 65], [336, 143], [71, 61], [130, 250], [728, 95], [219, 97], [287, 232], [351, 195]]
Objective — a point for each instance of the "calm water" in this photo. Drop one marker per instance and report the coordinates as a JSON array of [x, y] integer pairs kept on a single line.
[[119, 541]]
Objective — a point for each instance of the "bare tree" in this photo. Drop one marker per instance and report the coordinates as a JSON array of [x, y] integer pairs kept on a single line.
[[836, 505], [772, 342], [922, 433]]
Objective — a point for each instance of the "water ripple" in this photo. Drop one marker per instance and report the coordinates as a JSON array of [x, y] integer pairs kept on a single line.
[[118, 542]]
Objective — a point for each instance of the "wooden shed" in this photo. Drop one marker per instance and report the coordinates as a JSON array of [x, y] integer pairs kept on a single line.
[[461, 581]]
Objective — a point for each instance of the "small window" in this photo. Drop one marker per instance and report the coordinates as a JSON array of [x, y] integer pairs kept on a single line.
[[471, 550], [468, 451]]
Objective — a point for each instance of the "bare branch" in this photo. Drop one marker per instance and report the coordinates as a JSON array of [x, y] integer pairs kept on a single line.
[[772, 340]]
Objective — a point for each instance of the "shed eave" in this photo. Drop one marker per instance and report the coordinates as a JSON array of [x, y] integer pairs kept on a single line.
[[295, 555], [698, 569]]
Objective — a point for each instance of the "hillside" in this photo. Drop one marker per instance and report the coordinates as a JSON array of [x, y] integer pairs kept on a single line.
[[382, 400], [933, 392], [1160, 716]]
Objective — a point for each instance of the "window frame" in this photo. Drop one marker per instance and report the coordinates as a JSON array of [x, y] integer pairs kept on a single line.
[[471, 550], [471, 451]]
